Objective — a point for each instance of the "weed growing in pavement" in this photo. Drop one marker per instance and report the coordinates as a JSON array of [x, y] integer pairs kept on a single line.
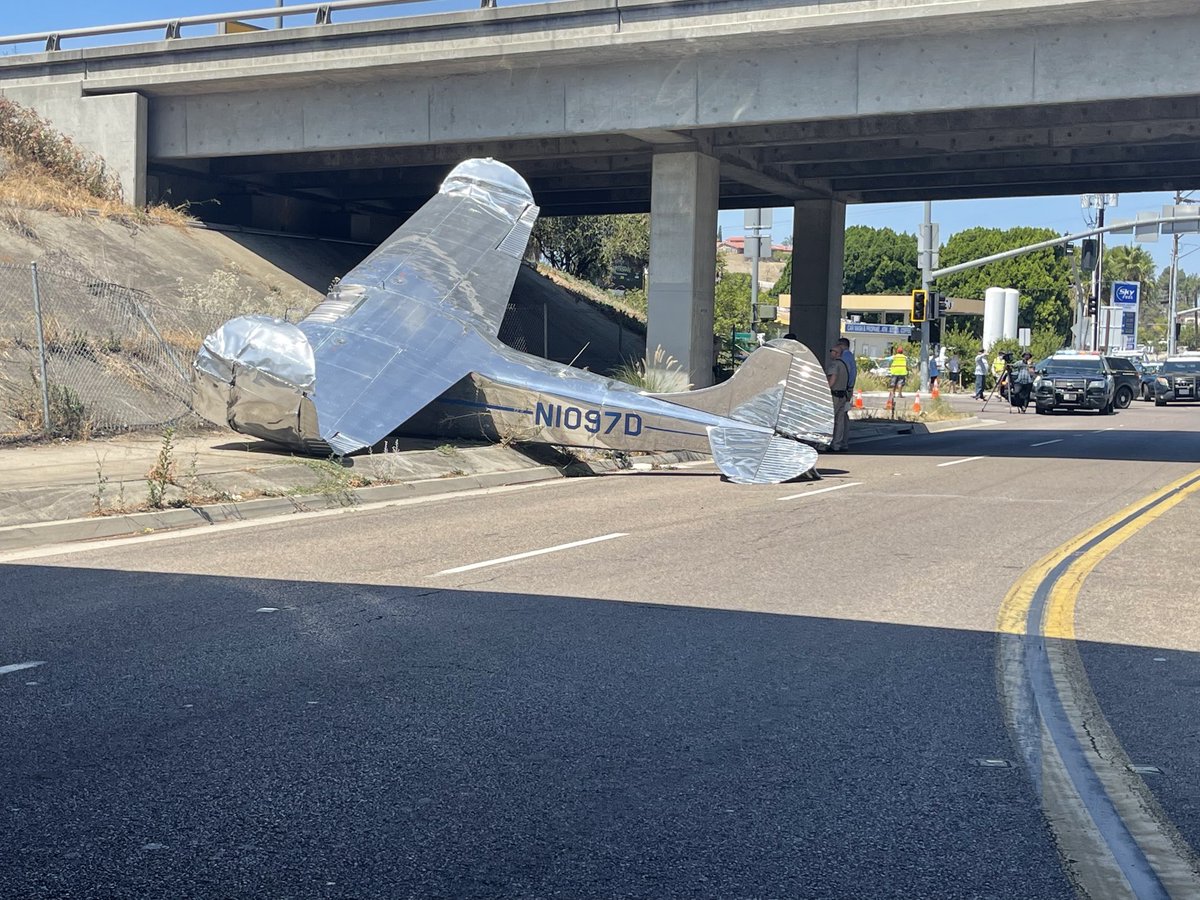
[[98, 505], [163, 472]]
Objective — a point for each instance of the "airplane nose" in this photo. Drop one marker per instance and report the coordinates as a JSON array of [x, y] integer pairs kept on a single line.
[[255, 374]]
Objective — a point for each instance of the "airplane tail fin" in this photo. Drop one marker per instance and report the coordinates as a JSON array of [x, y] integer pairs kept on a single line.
[[780, 386]]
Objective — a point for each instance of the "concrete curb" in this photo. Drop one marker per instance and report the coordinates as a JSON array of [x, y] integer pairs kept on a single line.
[[40, 534]]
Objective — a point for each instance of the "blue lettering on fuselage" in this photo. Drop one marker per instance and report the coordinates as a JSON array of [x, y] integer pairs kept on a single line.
[[593, 421]]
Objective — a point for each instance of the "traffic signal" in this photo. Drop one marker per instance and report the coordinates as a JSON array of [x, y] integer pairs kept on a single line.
[[941, 305], [1092, 306], [920, 305], [1087, 257]]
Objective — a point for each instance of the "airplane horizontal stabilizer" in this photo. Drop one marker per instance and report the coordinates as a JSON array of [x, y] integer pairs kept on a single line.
[[751, 456]]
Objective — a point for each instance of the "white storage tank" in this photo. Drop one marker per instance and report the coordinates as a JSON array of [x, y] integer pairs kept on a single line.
[[993, 316], [1012, 304]]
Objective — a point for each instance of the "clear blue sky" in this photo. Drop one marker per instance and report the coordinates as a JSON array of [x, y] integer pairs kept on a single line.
[[1062, 214]]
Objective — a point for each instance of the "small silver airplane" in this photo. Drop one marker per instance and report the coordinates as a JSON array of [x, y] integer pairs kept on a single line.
[[418, 320]]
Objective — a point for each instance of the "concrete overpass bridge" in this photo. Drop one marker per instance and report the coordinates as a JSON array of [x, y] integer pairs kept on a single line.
[[677, 107]]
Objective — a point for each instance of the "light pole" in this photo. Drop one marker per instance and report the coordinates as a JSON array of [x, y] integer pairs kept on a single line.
[[1098, 202]]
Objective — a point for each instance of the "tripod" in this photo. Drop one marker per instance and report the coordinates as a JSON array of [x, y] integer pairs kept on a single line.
[[1004, 378]]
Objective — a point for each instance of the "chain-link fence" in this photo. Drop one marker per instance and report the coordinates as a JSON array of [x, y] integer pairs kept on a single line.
[[80, 357]]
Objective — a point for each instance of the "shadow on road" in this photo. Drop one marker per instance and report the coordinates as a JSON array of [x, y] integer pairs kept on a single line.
[[402, 741]]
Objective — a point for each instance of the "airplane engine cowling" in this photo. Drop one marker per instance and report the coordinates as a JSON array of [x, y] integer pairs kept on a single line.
[[256, 375]]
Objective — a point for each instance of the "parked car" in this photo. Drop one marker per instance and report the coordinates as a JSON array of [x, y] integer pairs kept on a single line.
[[881, 366], [1148, 372], [1178, 379], [1127, 382], [1074, 381]]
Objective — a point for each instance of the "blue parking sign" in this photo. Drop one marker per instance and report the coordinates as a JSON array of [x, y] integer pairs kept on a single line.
[[1126, 292]]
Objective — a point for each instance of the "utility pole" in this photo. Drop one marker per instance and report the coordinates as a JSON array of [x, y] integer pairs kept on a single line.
[[927, 247], [1100, 201], [1173, 299], [757, 223]]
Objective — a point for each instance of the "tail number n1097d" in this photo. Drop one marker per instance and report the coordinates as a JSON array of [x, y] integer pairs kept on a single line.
[[593, 421]]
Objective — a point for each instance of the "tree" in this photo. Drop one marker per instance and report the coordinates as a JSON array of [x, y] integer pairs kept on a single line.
[[1042, 276], [879, 261], [589, 246], [731, 301], [876, 261]]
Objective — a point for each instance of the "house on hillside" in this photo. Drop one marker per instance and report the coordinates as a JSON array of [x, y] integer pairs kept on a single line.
[[737, 244]]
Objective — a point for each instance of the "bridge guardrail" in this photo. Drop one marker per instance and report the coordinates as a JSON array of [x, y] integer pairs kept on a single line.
[[172, 28]]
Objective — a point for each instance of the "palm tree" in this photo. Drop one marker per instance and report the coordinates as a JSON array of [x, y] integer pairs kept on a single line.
[[1128, 263]]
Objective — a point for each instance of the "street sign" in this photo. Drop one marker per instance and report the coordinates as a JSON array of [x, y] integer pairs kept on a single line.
[[1024, 336], [872, 328], [757, 246], [758, 218], [1126, 292]]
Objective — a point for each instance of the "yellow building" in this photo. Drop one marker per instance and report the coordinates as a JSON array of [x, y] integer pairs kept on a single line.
[[872, 322]]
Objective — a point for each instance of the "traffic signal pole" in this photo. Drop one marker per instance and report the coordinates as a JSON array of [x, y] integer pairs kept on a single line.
[[1099, 287], [926, 281]]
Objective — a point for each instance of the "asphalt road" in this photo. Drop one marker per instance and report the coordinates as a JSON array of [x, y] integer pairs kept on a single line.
[[727, 691]]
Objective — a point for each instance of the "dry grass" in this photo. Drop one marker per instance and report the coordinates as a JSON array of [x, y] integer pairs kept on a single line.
[[591, 292], [26, 185]]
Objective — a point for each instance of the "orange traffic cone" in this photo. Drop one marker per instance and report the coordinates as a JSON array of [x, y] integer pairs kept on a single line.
[[934, 392], [916, 407], [888, 404], [858, 399]]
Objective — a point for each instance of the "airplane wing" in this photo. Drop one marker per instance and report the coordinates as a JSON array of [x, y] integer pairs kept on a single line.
[[458, 253], [391, 336]]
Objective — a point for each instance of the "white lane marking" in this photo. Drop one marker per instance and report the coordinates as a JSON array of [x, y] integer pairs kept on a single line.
[[17, 667], [955, 462], [836, 487], [529, 553], [1046, 443], [297, 518]]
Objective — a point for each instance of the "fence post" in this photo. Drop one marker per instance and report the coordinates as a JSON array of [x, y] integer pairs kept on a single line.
[[41, 336]]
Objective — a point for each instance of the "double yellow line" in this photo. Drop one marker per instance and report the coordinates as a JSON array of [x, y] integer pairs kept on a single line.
[[1114, 839], [1088, 548]]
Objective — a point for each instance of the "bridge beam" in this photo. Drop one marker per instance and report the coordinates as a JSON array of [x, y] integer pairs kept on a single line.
[[683, 260], [818, 245]]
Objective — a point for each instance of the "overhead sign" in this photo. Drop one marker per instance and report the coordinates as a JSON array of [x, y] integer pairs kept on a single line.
[[872, 328], [1126, 292]]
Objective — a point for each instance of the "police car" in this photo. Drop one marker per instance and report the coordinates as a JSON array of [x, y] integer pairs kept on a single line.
[[1074, 381], [1177, 380]]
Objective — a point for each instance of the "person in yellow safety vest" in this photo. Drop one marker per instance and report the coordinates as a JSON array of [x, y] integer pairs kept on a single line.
[[899, 372], [998, 368]]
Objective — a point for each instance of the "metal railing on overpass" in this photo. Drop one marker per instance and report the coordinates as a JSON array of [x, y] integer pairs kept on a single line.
[[172, 28]]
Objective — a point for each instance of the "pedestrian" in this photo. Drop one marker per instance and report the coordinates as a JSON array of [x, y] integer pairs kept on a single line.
[[934, 372], [981, 370], [843, 344], [1000, 373], [1022, 381], [898, 369], [838, 375], [955, 366]]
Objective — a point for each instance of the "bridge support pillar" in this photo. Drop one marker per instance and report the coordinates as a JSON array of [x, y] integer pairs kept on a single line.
[[818, 245], [112, 126], [683, 260]]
